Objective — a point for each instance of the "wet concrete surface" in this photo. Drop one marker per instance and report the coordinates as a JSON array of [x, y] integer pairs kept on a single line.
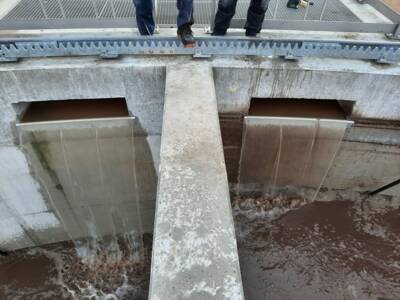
[[56, 272], [342, 249]]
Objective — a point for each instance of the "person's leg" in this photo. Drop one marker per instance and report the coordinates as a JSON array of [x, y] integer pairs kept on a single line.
[[255, 16], [185, 12], [226, 11], [185, 21], [144, 16]]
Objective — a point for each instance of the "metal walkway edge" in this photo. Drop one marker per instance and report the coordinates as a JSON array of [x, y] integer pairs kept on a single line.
[[206, 47]]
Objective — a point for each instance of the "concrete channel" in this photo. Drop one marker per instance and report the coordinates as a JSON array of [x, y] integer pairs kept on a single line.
[[176, 150]]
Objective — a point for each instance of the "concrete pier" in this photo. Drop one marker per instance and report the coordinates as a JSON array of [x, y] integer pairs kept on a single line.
[[194, 249]]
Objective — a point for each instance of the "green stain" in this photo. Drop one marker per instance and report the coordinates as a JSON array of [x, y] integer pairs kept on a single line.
[[41, 149]]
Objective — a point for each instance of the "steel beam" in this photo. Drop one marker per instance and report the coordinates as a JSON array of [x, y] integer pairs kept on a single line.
[[395, 35]]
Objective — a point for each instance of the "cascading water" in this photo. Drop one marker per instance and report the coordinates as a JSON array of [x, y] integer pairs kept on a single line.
[[86, 169], [297, 240], [288, 155]]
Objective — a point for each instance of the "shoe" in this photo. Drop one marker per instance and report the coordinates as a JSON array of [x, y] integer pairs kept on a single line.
[[218, 33], [293, 4], [186, 35], [251, 33]]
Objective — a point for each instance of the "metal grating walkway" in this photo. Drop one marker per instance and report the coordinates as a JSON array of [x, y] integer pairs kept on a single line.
[[53, 10]]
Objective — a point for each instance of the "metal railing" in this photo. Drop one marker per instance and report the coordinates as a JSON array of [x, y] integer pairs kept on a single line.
[[323, 15]]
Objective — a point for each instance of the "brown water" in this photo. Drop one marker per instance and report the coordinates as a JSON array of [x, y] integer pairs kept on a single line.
[[45, 111], [339, 247], [56, 272], [342, 249]]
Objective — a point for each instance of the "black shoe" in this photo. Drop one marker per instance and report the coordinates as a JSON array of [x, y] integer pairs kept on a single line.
[[293, 4], [186, 35], [251, 33], [218, 33]]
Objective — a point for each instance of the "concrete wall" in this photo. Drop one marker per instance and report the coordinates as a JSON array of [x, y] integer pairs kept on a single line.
[[373, 87], [28, 217], [141, 81]]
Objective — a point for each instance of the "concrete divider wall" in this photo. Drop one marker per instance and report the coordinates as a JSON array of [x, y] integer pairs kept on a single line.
[[141, 81], [194, 249]]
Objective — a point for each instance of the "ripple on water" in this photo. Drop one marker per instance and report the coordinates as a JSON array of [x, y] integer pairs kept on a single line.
[[341, 249]]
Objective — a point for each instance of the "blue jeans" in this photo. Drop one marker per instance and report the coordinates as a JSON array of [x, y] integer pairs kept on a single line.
[[145, 20], [227, 9]]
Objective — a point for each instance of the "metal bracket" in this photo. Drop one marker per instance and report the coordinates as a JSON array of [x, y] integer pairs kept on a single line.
[[199, 54], [395, 35], [292, 57]]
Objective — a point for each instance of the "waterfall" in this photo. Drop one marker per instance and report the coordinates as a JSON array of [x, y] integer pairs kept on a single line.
[[87, 172], [288, 155]]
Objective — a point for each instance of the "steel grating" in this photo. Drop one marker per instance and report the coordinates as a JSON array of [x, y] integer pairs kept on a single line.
[[326, 10], [52, 10], [70, 9], [290, 49], [167, 12]]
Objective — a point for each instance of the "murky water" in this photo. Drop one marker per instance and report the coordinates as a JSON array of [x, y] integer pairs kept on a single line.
[[348, 248], [100, 270], [339, 247]]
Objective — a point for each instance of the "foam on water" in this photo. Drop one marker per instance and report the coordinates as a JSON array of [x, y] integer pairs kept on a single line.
[[342, 246], [102, 269]]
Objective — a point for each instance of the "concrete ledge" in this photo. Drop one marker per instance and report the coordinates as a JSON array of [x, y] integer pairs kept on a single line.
[[194, 252]]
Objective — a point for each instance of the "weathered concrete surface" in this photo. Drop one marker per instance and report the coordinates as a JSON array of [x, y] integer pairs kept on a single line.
[[141, 81], [194, 250], [365, 167], [373, 87], [36, 214], [83, 78]]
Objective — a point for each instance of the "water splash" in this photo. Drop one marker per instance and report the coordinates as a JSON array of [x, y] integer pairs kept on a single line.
[[87, 269]]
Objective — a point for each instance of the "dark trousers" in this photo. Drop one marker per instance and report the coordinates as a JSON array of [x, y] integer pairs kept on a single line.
[[145, 19], [227, 9]]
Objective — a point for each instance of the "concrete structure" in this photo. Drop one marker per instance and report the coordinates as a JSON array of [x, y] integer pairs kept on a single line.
[[193, 207], [194, 250], [161, 166], [28, 210], [373, 89]]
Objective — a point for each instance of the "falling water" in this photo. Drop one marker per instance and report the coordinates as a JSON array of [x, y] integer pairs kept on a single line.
[[288, 155], [298, 241], [86, 169]]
